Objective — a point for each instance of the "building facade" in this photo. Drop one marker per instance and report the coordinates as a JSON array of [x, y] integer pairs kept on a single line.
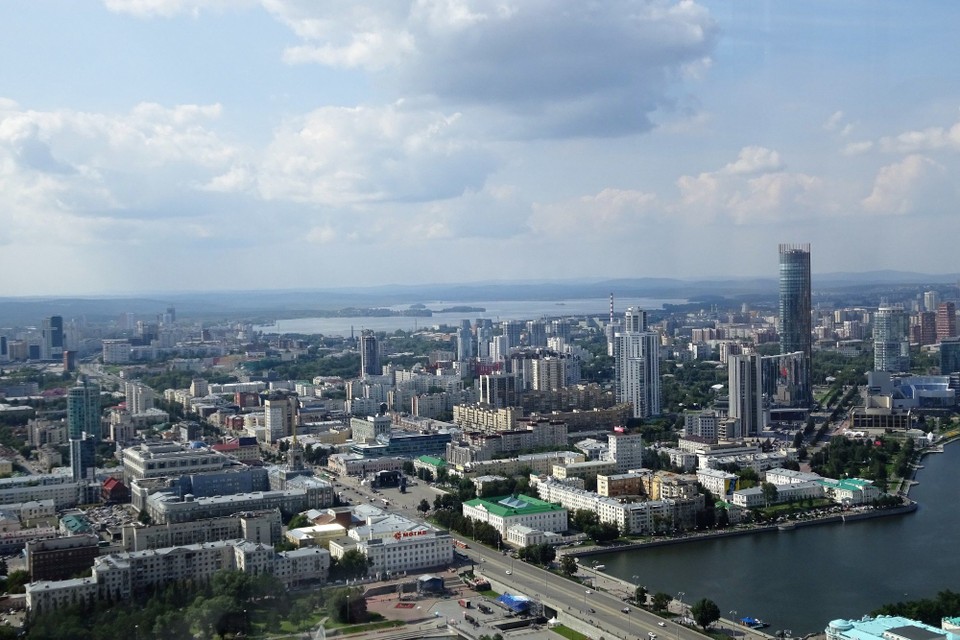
[[796, 324]]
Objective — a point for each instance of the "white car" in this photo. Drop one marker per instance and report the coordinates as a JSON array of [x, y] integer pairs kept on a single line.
[[662, 624], [509, 573]]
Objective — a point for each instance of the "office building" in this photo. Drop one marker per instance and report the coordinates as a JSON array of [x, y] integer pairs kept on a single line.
[[746, 392], [464, 341], [369, 354], [931, 300], [891, 347], [83, 410], [795, 306], [637, 365], [504, 512], [52, 346], [950, 356], [83, 452]]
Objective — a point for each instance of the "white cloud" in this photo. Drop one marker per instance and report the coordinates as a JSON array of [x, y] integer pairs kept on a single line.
[[69, 176], [857, 148], [337, 155], [753, 188], [930, 139], [913, 185], [170, 8], [754, 160], [544, 68], [611, 212]]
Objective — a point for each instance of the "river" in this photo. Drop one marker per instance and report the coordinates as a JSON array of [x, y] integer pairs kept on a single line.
[[800, 580], [496, 310]]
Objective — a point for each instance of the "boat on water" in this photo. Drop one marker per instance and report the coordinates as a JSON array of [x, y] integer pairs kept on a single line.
[[753, 623], [600, 567], [787, 526]]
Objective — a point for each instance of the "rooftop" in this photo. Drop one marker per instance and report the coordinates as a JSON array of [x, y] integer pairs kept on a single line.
[[514, 505]]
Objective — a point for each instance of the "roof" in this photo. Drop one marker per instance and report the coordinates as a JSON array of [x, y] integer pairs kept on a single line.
[[432, 461], [514, 505]]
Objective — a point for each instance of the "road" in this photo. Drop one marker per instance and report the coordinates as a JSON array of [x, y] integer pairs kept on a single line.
[[571, 599], [567, 598]]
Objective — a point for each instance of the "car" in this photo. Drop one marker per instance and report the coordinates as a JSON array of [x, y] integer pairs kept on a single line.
[[652, 635], [625, 609], [662, 624], [592, 610], [509, 573]]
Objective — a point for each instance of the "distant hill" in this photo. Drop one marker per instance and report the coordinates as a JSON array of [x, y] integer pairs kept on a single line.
[[268, 304]]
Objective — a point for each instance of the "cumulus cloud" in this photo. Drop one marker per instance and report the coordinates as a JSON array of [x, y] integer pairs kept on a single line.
[[609, 212], [340, 155], [70, 174], [753, 188], [547, 68], [915, 184], [930, 139], [754, 160]]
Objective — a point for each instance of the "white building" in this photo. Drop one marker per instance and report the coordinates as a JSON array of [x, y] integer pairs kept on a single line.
[[507, 511], [637, 365]]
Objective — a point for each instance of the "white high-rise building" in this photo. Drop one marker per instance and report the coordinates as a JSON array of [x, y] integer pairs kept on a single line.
[[746, 392], [891, 345], [637, 354], [626, 449]]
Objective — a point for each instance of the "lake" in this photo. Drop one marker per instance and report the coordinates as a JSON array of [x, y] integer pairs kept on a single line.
[[800, 580]]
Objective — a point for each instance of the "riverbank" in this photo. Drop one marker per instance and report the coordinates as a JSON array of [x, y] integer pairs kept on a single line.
[[848, 516]]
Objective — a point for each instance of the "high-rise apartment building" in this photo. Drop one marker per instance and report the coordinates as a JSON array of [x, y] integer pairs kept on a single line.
[[536, 333], [795, 305], [891, 348], [637, 362], [369, 354], [626, 449], [946, 320], [83, 410], [931, 300], [513, 330], [746, 392], [927, 321]]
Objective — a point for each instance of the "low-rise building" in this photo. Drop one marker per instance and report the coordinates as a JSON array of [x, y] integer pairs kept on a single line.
[[506, 511], [850, 491]]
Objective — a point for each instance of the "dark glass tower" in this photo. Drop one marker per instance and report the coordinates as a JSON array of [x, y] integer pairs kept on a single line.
[[795, 317]]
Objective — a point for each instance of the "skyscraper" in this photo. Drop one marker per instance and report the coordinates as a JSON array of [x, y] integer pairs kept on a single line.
[[52, 346], [891, 348], [83, 410], [746, 392], [946, 320], [369, 354], [637, 361], [795, 292]]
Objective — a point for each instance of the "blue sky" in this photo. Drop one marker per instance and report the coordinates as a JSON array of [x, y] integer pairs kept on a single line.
[[151, 145]]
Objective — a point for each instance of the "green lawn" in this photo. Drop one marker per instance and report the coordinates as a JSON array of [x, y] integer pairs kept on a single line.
[[569, 633], [490, 593]]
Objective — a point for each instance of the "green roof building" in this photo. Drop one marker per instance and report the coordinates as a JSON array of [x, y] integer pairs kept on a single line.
[[504, 512]]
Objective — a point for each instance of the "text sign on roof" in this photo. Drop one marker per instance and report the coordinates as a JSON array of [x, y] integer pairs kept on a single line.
[[399, 535]]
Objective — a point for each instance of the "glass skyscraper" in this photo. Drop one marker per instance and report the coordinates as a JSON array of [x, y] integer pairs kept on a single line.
[[796, 326]]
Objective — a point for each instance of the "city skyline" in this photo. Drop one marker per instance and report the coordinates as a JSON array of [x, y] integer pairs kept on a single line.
[[188, 145]]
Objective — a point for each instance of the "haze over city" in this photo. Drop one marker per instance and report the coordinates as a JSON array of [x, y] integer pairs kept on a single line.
[[173, 145]]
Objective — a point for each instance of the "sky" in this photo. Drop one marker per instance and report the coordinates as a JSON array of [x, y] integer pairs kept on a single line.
[[190, 145]]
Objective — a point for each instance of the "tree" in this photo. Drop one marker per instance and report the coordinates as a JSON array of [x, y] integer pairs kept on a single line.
[[424, 506], [298, 521], [350, 566], [568, 564], [348, 606], [769, 493], [705, 612], [641, 595], [660, 600]]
